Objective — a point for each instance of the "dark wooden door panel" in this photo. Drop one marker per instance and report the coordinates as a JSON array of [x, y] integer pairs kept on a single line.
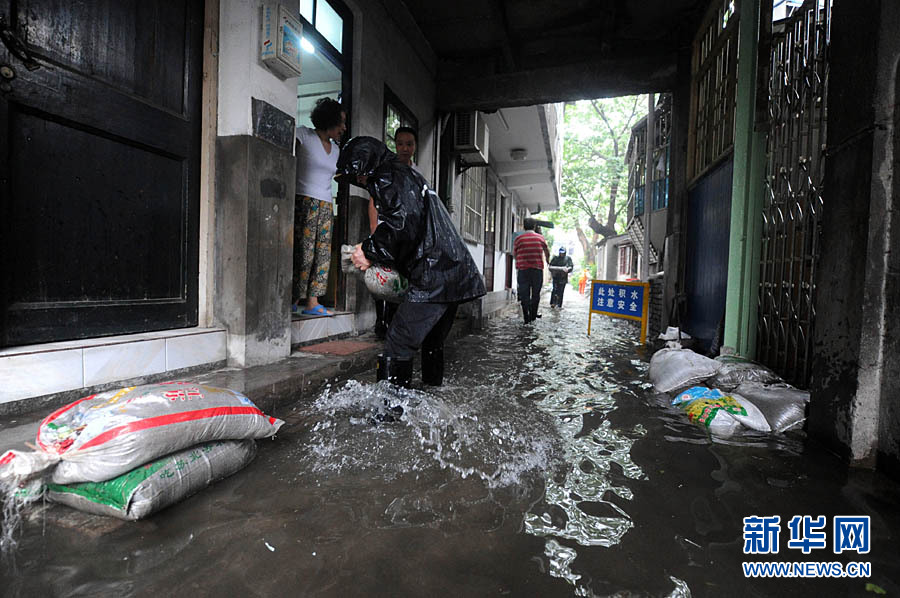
[[99, 165], [135, 46]]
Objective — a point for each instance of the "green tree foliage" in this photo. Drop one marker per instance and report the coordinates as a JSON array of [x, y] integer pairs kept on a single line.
[[594, 174]]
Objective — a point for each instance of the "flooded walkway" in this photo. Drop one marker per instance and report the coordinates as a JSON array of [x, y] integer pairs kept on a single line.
[[546, 466]]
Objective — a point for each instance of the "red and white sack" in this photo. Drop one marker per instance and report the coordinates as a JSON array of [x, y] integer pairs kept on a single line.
[[104, 435]]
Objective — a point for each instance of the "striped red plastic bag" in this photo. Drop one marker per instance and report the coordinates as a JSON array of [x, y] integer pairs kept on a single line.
[[104, 435]]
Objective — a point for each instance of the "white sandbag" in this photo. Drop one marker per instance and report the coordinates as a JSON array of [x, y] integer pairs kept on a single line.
[[737, 370], [708, 406], [158, 484], [105, 435], [671, 369], [783, 406], [383, 282]]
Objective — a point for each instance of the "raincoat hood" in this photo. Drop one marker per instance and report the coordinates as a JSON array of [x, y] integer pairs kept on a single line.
[[361, 156], [415, 234]]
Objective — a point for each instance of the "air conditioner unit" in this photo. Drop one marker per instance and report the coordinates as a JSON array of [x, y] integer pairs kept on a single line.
[[470, 137]]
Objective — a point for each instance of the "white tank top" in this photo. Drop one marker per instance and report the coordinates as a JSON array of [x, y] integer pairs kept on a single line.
[[315, 167]]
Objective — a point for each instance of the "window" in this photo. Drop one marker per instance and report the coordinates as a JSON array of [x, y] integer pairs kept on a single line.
[[713, 82], [626, 259], [473, 190], [396, 114], [322, 17], [638, 169], [637, 152], [662, 124]]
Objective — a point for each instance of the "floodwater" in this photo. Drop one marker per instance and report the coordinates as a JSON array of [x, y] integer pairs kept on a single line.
[[545, 466]]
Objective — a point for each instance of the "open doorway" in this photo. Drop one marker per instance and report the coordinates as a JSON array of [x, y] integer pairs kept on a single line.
[[327, 33]]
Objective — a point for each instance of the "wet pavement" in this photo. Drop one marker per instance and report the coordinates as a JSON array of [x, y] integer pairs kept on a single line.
[[545, 466]]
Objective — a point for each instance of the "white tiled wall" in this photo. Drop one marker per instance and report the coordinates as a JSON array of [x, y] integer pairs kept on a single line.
[[120, 362], [303, 331], [39, 370], [30, 374]]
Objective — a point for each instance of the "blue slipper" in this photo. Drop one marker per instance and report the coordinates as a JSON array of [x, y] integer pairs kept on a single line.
[[318, 310]]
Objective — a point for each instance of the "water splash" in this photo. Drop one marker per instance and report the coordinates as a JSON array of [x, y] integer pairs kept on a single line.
[[474, 434], [15, 499]]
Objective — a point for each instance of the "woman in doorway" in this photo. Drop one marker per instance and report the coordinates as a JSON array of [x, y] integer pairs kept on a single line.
[[405, 139], [317, 151]]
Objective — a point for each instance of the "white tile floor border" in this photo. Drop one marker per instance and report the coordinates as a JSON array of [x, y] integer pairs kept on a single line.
[[37, 370]]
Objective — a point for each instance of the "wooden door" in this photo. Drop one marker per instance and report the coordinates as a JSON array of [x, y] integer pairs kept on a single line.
[[99, 167]]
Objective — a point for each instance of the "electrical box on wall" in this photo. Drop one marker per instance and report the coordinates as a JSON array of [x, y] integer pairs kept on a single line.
[[279, 41]]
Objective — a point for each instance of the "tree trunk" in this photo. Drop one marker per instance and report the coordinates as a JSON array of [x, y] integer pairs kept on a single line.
[[611, 214], [589, 246]]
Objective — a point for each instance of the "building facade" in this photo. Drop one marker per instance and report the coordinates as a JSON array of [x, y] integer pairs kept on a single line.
[[187, 194]]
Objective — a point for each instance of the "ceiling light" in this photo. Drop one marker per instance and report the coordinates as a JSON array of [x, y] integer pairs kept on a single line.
[[307, 46], [518, 154]]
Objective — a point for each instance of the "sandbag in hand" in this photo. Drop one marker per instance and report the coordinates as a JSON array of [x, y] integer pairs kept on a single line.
[[385, 283]]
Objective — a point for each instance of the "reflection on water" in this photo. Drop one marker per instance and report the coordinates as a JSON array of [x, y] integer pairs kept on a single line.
[[545, 466]]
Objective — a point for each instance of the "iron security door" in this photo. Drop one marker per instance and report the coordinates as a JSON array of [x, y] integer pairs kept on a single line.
[[99, 167], [795, 175]]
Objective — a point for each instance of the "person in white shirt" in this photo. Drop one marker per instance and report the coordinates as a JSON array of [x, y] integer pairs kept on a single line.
[[317, 153]]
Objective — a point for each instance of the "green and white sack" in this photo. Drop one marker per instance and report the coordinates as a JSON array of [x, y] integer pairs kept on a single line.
[[156, 485]]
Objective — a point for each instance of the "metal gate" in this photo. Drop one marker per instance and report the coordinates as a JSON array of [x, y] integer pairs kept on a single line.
[[798, 80]]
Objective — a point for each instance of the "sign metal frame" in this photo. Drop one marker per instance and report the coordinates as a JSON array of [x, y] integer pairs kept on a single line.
[[645, 312]]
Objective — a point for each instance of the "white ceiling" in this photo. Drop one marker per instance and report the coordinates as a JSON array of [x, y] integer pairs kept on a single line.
[[530, 179]]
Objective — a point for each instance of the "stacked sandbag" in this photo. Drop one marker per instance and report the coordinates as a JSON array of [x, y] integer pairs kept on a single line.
[[151, 487], [672, 369], [106, 435], [721, 414], [734, 371], [783, 406]]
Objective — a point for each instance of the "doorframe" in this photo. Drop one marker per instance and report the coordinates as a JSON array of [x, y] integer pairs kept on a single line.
[[206, 290]]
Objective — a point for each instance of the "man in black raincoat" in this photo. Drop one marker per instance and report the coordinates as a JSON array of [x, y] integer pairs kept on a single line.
[[560, 268], [416, 237]]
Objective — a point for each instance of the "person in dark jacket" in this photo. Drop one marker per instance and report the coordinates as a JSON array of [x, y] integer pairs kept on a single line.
[[560, 268], [416, 237]]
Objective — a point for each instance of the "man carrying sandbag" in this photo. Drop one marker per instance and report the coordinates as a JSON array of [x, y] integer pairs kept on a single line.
[[416, 237], [560, 268]]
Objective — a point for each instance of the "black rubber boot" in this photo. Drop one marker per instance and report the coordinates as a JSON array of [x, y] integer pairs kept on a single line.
[[396, 371], [433, 366], [380, 325]]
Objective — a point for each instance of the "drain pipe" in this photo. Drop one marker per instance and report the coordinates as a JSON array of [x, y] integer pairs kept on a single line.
[[648, 185]]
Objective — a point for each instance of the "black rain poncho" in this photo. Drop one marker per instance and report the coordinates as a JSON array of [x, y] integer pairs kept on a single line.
[[415, 234]]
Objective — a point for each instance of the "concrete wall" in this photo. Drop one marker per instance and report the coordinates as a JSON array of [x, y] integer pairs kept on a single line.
[[254, 207], [241, 73], [390, 50], [880, 354], [254, 248], [855, 368]]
